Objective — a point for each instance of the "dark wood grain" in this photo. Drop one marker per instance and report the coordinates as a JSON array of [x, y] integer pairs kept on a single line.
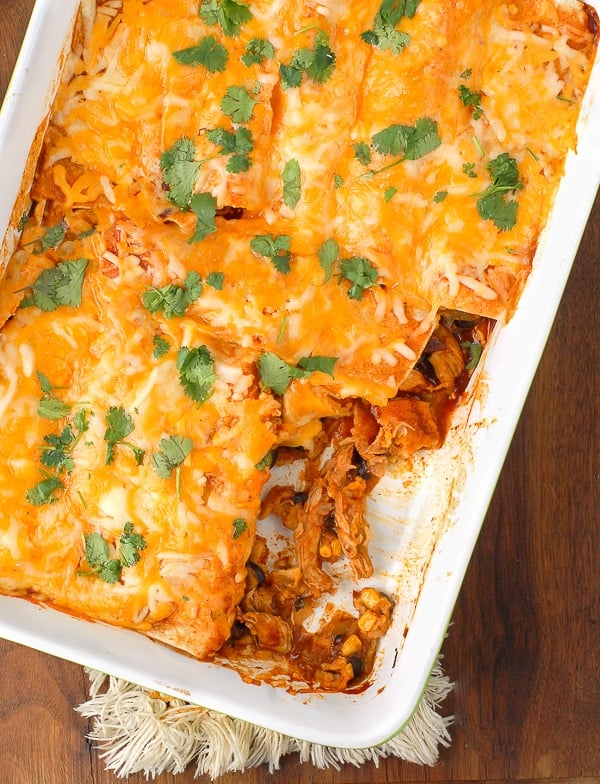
[[524, 646]]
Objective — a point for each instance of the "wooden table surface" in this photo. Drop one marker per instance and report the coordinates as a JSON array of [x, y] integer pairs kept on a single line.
[[524, 647]]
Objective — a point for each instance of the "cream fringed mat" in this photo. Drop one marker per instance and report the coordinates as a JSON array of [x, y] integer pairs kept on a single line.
[[140, 731]]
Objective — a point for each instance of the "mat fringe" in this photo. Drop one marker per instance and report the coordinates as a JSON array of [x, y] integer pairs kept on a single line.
[[136, 730]]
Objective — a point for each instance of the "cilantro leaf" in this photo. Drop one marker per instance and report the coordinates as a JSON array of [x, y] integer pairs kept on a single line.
[[337, 181], [317, 63], [267, 461], [410, 142], [119, 426], [98, 554], [492, 203], [236, 143], [291, 75], [172, 452], [362, 153], [239, 526], [361, 273], [161, 347], [322, 64], [496, 208], [51, 238], [196, 372], [238, 104], [52, 408], [57, 450], [204, 206], [131, 544], [328, 254], [439, 196], [97, 550], [322, 364], [208, 52], [276, 373], [59, 285], [179, 170], [275, 248], [470, 98], [257, 51], [469, 170], [229, 14], [41, 493], [292, 187], [45, 383], [215, 280], [384, 34], [389, 193], [474, 350], [171, 299]]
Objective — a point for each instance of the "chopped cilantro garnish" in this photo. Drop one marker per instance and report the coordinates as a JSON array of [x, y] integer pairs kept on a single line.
[[275, 248], [131, 544], [237, 144], [492, 203], [389, 193], [317, 63], [204, 207], [317, 363], [56, 454], [410, 142], [229, 14], [470, 98], [439, 196], [328, 254], [276, 373], [239, 526], [337, 181], [362, 153], [384, 34], [215, 280], [361, 273], [466, 74], [172, 451], [257, 51], [474, 350], [161, 346], [173, 300], [102, 563], [267, 461], [208, 52], [179, 170], [52, 408], [51, 238], [42, 492], [292, 186], [238, 104], [23, 221], [469, 170], [59, 285], [196, 372], [119, 426]]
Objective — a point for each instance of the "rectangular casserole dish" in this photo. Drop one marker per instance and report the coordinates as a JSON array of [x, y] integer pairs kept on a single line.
[[423, 536]]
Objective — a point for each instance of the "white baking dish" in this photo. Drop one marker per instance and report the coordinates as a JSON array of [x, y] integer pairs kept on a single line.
[[423, 537]]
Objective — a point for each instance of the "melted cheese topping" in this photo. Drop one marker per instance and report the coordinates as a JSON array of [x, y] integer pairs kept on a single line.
[[127, 101]]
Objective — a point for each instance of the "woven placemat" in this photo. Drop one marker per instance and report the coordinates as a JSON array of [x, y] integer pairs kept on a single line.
[[136, 730]]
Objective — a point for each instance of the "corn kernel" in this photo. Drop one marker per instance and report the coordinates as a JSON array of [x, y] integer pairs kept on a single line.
[[370, 598], [368, 621], [351, 645], [325, 550]]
